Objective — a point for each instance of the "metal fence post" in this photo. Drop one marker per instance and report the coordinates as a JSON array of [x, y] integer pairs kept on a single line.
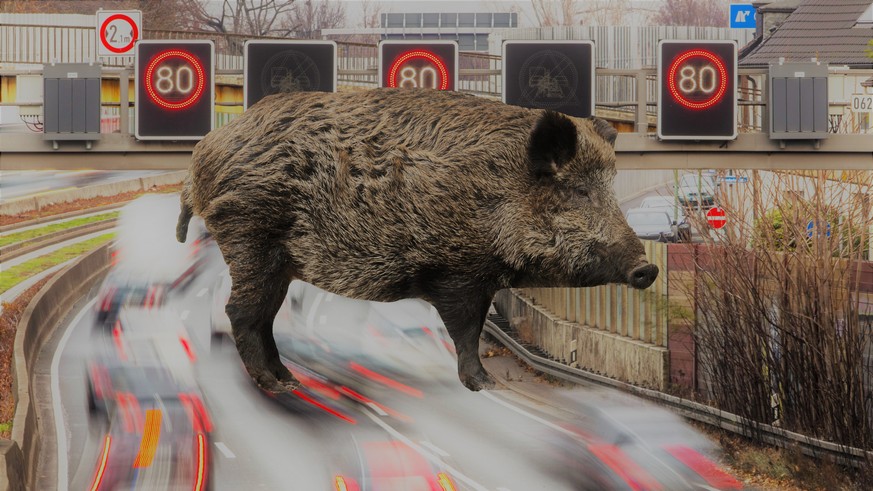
[[124, 104], [642, 119]]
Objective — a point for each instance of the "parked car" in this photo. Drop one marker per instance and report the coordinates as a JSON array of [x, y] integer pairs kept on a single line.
[[653, 224], [697, 190], [665, 203]]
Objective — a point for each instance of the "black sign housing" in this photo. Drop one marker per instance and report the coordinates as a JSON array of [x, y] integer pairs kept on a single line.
[[697, 83], [272, 67], [175, 89], [556, 75]]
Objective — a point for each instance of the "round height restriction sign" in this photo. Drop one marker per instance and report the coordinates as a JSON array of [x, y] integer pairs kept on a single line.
[[118, 32], [716, 217]]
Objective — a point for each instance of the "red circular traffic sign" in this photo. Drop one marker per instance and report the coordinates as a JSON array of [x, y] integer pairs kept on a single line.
[[429, 71], [697, 79], [175, 79], [716, 217], [133, 29]]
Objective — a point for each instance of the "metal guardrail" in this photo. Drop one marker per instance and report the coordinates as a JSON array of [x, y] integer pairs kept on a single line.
[[772, 435]]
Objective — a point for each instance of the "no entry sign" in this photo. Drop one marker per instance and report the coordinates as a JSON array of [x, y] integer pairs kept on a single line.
[[118, 31], [716, 217]]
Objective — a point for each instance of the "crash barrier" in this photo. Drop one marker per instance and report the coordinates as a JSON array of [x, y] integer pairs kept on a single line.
[[37, 325], [24, 205], [613, 330]]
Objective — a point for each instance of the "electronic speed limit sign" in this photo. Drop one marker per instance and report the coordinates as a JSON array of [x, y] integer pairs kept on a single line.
[[556, 75], [417, 64], [117, 32], [272, 67], [175, 93], [697, 83]]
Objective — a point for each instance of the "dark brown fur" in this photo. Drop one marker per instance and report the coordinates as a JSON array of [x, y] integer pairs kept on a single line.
[[389, 194]]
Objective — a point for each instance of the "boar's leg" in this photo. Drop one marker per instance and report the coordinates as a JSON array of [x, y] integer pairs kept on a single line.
[[259, 287], [464, 316]]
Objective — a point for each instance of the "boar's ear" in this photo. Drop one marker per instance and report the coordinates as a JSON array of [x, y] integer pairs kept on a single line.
[[553, 143], [604, 129]]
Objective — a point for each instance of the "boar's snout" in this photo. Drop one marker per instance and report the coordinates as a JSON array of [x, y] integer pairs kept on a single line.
[[642, 276]]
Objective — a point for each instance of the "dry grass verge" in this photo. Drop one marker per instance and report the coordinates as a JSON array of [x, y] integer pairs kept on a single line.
[[12, 312], [84, 204]]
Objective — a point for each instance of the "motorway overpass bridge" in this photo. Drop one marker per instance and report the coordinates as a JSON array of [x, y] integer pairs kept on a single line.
[[116, 151]]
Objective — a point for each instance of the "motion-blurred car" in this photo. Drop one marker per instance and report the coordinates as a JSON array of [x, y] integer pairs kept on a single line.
[[389, 465], [155, 442], [619, 444], [219, 322], [653, 224], [357, 343], [144, 348], [123, 288]]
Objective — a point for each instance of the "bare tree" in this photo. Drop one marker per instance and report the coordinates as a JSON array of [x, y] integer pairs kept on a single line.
[[551, 13], [577, 12], [253, 17], [371, 12], [187, 14], [698, 13], [307, 18], [783, 333]]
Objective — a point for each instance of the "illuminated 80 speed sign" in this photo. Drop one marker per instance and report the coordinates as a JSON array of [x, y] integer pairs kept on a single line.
[[417, 64], [174, 89], [697, 81]]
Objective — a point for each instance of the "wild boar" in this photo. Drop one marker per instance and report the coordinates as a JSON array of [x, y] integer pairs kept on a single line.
[[395, 193]]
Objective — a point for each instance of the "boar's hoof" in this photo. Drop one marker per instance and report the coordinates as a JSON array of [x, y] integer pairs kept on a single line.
[[643, 276], [479, 380], [275, 383]]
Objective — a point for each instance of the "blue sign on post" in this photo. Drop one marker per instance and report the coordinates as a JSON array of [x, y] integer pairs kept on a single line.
[[812, 225], [742, 16]]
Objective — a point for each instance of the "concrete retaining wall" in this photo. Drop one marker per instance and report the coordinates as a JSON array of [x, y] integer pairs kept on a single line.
[[24, 205], [18, 459], [601, 352]]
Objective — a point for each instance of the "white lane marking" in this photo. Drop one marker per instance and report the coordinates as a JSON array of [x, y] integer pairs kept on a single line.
[[375, 407], [532, 416], [433, 448], [202, 292], [455, 473], [224, 450], [185, 315], [57, 407]]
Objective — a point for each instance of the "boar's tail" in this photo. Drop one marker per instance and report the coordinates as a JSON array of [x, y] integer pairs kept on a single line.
[[185, 213]]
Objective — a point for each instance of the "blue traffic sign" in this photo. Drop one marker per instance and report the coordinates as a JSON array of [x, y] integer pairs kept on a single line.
[[732, 179], [742, 16], [812, 225]]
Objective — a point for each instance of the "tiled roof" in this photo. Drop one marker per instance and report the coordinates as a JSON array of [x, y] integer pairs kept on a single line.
[[818, 28]]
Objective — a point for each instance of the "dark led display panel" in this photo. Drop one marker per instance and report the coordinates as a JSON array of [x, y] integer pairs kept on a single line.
[[272, 67], [556, 75]]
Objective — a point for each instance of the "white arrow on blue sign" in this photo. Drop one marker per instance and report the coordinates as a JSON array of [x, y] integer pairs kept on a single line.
[[742, 16]]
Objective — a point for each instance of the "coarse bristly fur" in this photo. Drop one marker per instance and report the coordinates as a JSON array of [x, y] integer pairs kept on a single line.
[[395, 193]]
